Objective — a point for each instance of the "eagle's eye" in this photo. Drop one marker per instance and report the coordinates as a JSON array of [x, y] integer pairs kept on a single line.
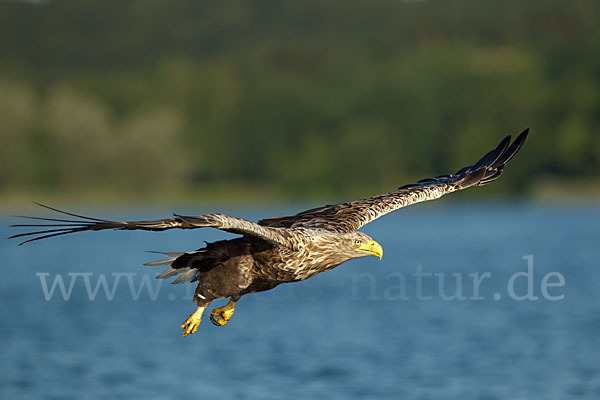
[[357, 242]]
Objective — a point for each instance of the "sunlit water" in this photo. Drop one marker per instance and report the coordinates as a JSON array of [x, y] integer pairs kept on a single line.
[[364, 330]]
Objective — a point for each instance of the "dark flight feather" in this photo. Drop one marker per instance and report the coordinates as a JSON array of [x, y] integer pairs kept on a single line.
[[348, 217]]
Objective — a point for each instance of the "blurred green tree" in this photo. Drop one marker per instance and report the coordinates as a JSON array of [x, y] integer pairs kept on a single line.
[[294, 99]]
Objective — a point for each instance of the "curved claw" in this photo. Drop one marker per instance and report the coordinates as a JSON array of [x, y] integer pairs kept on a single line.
[[218, 320], [220, 316]]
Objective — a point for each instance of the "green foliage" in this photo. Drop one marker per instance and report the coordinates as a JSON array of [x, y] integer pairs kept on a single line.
[[315, 98]]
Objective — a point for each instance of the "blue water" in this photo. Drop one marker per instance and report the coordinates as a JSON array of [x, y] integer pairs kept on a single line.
[[352, 333]]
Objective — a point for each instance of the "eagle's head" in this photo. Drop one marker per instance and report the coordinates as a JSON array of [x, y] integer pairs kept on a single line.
[[359, 244]]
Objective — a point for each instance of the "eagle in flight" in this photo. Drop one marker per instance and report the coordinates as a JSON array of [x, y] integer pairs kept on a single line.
[[281, 249]]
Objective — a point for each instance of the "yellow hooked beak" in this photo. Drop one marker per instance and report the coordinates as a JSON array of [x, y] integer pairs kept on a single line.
[[371, 248]]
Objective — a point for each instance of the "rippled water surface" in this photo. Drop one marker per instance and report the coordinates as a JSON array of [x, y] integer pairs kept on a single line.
[[367, 329]]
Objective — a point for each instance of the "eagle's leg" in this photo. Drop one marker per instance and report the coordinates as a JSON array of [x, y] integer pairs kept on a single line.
[[220, 316], [191, 324]]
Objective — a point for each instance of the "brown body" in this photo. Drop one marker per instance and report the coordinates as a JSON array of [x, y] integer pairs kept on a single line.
[[238, 266], [233, 268]]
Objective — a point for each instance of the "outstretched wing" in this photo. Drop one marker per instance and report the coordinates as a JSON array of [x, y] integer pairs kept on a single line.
[[348, 217], [82, 223]]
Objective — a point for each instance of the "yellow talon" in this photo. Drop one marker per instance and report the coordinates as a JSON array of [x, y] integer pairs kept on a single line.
[[220, 316], [191, 324]]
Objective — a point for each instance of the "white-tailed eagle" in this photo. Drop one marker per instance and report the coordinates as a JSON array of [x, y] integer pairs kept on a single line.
[[281, 249]]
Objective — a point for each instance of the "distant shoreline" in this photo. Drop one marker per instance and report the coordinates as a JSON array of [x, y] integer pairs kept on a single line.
[[547, 192]]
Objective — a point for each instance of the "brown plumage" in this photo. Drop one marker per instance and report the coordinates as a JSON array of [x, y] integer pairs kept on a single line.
[[281, 249]]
